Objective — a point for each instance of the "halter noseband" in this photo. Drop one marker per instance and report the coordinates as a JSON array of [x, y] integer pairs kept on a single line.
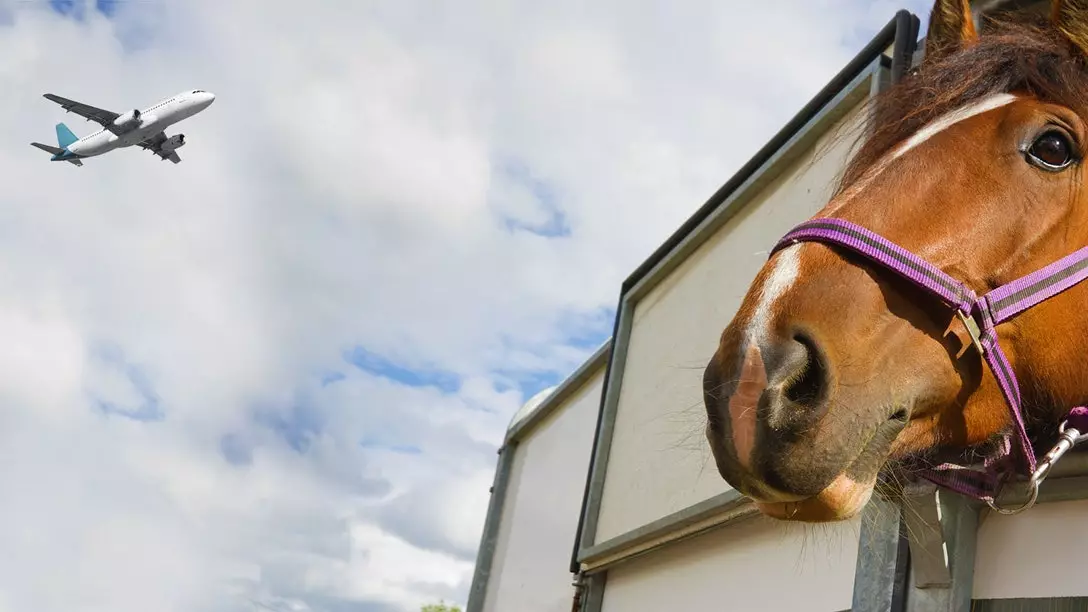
[[979, 315]]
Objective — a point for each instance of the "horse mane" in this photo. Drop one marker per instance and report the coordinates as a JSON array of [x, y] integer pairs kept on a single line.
[[1021, 53]]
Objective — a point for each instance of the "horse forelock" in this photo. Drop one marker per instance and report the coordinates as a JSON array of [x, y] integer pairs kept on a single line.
[[1023, 55]]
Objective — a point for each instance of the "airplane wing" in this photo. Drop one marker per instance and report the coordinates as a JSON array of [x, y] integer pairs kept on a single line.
[[103, 117], [154, 144]]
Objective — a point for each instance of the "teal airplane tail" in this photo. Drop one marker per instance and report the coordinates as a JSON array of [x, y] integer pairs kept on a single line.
[[65, 138]]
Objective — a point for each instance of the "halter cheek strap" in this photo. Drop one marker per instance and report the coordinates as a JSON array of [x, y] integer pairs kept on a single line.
[[980, 315]]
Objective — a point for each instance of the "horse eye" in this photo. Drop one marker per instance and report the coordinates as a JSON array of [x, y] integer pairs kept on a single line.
[[1052, 151]]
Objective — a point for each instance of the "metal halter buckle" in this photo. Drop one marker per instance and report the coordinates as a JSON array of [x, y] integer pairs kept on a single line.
[[973, 330], [1067, 439]]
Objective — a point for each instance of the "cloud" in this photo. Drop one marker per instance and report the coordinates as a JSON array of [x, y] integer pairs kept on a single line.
[[275, 374]]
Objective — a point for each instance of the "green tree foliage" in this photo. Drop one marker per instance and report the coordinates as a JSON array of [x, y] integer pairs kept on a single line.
[[440, 607]]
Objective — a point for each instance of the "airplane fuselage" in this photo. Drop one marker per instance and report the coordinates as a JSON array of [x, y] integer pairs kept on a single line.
[[152, 120]]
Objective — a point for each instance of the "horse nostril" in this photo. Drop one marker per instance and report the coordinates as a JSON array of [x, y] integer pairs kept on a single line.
[[808, 384]]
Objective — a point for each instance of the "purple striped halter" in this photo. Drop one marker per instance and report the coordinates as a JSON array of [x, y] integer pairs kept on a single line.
[[979, 316]]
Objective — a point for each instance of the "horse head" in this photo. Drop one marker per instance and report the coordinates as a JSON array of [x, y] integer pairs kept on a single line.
[[835, 374]]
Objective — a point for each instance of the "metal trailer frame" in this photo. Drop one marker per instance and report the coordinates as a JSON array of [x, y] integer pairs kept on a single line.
[[885, 577], [514, 435]]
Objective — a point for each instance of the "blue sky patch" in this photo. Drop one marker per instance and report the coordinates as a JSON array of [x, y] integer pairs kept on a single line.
[[134, 34], [585, 331], [374, 443], [77, 9], [377, 365], [147, 412], [406, 449], [108, 7], [298, 425], [556, 225], [530, 383], [68, 8], [149, 408], [588, 330], [331, 378]]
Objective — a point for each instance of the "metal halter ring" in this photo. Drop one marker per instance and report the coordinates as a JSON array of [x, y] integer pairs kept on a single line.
[[1067, 439]]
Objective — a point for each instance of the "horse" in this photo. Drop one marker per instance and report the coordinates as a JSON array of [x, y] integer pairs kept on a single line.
[[861, 355]]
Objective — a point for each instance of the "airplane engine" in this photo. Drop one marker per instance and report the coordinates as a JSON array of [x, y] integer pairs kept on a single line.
[[174, 142], [130, 119]]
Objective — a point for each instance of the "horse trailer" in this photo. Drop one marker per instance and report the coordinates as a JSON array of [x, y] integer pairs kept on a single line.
[[606, 497]]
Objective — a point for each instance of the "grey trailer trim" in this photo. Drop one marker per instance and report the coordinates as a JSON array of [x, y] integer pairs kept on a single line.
[[485, 556], [851, 85], [691, 521], [1034, 604]]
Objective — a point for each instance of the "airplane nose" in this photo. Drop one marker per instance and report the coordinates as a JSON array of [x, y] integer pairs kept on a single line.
[[208, 98]]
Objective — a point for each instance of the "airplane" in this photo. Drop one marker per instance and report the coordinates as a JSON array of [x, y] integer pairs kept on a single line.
[[142, 128]]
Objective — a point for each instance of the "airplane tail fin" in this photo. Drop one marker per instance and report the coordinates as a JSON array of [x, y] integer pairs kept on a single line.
[[65, 136]]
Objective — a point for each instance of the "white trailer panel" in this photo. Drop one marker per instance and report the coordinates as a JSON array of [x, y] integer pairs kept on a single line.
[[1035, 554], [659, 462], [755, 565], [535, 524]]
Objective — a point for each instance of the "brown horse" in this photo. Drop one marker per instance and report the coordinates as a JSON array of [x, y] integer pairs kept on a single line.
[[835, 374]]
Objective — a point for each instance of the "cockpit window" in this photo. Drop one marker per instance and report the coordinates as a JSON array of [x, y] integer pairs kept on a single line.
[[198, 91]]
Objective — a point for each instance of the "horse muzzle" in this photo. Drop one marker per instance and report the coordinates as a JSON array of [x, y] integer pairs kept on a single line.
[[773, 437]]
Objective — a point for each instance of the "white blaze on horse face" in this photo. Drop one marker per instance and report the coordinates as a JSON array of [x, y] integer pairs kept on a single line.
[[935, 127], [945, 121], [744, 402], [781, 278]]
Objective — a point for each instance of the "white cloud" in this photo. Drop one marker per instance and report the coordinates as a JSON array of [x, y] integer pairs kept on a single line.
[[359, 182]]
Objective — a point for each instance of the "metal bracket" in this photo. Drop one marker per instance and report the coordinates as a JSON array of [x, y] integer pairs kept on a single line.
[[928, 545], [942, 531]]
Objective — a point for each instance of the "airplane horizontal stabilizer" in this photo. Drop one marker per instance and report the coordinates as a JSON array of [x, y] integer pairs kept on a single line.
[[58, 154], [47, 148]]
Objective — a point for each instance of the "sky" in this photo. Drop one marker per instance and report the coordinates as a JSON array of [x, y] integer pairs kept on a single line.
[[275, 375]]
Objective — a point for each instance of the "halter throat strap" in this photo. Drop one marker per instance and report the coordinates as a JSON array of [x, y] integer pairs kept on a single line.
[[980, 315]]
